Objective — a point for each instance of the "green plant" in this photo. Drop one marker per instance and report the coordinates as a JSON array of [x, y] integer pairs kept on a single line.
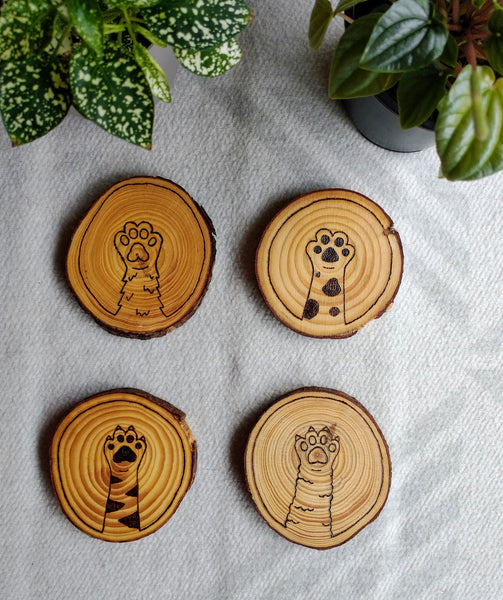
[[445, 58], [94, 54]]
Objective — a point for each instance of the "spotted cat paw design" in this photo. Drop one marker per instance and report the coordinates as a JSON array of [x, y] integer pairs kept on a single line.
[[329, 254], [124, 451]]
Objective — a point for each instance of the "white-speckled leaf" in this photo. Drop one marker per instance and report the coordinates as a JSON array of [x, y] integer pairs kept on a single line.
[[153, 72], [197, 24], [113, 93], [212, 62], [35, 96], [24, 28], [132, 3]]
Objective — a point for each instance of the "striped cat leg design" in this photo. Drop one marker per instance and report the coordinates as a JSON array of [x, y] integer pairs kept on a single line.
[[312, 500], [124, 451]]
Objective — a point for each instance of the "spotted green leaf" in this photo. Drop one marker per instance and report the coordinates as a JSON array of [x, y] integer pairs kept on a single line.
[[408, 36], [197, 24], [153, 72], [212, 62], [24, 28], [347, 79], [114, 93], [35, 96], [464, 154], [132, 3], [87, 20]]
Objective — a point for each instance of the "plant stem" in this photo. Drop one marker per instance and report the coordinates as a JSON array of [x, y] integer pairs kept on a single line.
[[345, 17]]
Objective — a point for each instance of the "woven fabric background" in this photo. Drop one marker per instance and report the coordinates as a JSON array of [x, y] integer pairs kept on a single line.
[[429, 370]]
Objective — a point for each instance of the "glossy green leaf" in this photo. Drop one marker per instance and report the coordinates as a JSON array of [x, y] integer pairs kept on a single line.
[[114, 93], [321, 16], [463, 155], [35, 96], [87, 20], [197, 24], [347, 79], [153, 72], [419, 93], [407, 37], [212, 62], [25, 28]]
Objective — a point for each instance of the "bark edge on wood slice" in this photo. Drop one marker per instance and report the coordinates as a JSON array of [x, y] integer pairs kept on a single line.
[[317, 467], [141, 259], [121, 462], [329, 262]]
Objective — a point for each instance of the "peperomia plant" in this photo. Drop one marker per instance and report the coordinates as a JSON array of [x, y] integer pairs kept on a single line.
[[94, 54], [443, 58]]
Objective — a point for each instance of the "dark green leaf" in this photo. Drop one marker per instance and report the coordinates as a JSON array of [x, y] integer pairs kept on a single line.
[[25, 28], [419, 93], [35, 96], [463, 155], [87, 20], [114, 93], [407, 37], [346, 4], [212, 62], [347, 79], [494, 44], [449, 56], [196, 25], [321, 16], [153, 72]]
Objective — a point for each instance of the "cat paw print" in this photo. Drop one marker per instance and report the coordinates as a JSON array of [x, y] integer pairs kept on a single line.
[[317, 449], [124, 449], [138, 245], [329, 252]]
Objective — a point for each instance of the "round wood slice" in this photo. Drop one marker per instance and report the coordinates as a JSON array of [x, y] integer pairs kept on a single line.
[[141, 260], [121, 463], [318, 467], [329, 262]]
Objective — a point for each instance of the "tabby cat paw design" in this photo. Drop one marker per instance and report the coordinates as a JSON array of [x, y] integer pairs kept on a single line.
[[124, 451]]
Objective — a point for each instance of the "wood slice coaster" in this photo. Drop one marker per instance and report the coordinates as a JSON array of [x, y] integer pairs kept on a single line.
[[329, 262], [121, 463], [318, 467], [141, 260]]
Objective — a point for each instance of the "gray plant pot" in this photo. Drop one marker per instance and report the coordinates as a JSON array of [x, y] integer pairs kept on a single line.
[[376, 118]]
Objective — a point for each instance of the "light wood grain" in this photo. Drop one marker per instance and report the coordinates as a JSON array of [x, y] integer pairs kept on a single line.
[[121, 463], [318, 467], [329, 262], [141, 259]]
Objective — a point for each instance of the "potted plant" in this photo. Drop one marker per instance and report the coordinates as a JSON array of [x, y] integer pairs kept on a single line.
[[443, 59], [93, 54]]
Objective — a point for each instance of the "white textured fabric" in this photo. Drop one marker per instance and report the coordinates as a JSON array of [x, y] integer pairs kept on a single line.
[[429, 370]]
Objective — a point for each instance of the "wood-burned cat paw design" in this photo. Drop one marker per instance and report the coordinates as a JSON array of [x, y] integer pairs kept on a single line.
[[141, 259], [121, 463], [124, 452], [329, 254], [317, 467], [311, 504], [329, 262], [138, 246]]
